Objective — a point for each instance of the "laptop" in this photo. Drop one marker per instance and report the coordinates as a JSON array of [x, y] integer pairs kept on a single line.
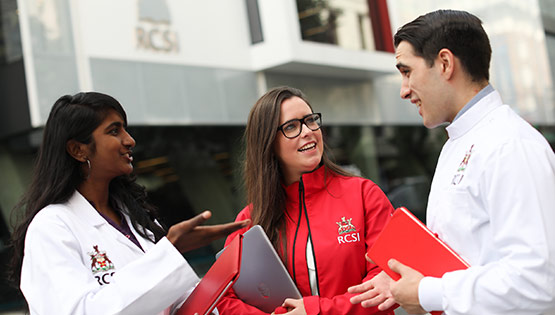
[[263, 279], [219, 278]]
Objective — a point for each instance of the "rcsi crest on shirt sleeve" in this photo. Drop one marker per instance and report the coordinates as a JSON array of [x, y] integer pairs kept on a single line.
[[100, 261], [344, 231]]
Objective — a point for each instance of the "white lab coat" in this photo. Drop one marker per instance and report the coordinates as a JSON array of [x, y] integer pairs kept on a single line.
[[58, 274], [493, 201]]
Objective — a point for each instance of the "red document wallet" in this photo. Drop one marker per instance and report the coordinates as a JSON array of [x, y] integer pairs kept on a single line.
[[409, 241], [221, 276]]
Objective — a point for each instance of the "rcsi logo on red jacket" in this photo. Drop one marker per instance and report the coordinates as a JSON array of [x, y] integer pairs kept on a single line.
[[347, 231]]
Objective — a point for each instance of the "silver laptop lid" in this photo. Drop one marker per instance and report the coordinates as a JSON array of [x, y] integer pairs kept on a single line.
[[263, 280]]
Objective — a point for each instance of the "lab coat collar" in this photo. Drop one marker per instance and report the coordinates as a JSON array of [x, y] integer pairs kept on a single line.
[[83, 209], [86, 212], [474, 115]]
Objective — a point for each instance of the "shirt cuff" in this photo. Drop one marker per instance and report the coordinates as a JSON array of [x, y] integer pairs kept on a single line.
[[430, 295]]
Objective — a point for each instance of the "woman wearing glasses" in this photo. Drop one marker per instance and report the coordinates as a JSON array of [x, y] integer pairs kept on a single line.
[[320, 219]]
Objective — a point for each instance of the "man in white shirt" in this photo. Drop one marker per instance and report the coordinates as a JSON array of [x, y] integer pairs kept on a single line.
[[492, 197]]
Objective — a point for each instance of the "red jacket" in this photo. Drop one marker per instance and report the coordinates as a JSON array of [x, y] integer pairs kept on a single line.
[[344, 219]]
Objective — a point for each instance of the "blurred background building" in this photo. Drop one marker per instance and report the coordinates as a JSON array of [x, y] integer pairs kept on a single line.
[[187, 73]]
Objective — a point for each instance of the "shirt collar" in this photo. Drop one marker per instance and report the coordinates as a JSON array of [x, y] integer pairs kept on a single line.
[[485, 91], [474, 115]]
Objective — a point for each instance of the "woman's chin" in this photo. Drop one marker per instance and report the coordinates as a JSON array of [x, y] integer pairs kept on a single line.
[[312, 166]]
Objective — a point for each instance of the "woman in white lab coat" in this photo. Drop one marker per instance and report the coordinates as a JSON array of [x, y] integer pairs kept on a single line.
[[88, 241]]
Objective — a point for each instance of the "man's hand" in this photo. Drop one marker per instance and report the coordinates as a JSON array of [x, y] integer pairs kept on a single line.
[[405, 290], [189, 234], [374, 292]]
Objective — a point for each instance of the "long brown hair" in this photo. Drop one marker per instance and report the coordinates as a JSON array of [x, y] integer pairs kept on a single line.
[[262, 172]]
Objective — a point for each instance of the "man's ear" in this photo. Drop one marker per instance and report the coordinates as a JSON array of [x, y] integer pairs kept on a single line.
[[446, 61], [77, 150]]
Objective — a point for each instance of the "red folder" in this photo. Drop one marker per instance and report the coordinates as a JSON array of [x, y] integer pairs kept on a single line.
[[409, 241], [221, 276]]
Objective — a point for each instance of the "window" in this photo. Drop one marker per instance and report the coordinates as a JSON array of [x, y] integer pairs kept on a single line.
[[349, 24]]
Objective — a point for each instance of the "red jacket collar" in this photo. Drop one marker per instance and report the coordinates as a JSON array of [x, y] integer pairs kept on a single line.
[[313, 182]]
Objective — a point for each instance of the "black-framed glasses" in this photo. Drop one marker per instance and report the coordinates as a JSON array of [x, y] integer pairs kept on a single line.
[[292, 128]]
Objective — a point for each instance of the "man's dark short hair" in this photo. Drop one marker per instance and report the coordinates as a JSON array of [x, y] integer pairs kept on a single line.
[[459, 31]]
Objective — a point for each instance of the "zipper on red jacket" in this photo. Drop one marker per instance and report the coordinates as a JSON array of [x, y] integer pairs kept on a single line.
[[297, 231], [302, 205]]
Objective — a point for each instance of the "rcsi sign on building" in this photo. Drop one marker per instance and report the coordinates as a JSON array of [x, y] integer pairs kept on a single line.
[[208, 33], [154, 29]]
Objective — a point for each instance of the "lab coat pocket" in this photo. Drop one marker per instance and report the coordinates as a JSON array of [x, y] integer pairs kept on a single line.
[[454, 215]]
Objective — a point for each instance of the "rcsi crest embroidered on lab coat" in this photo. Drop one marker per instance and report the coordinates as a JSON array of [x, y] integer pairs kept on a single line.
[[462, 167], [100, 261]]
